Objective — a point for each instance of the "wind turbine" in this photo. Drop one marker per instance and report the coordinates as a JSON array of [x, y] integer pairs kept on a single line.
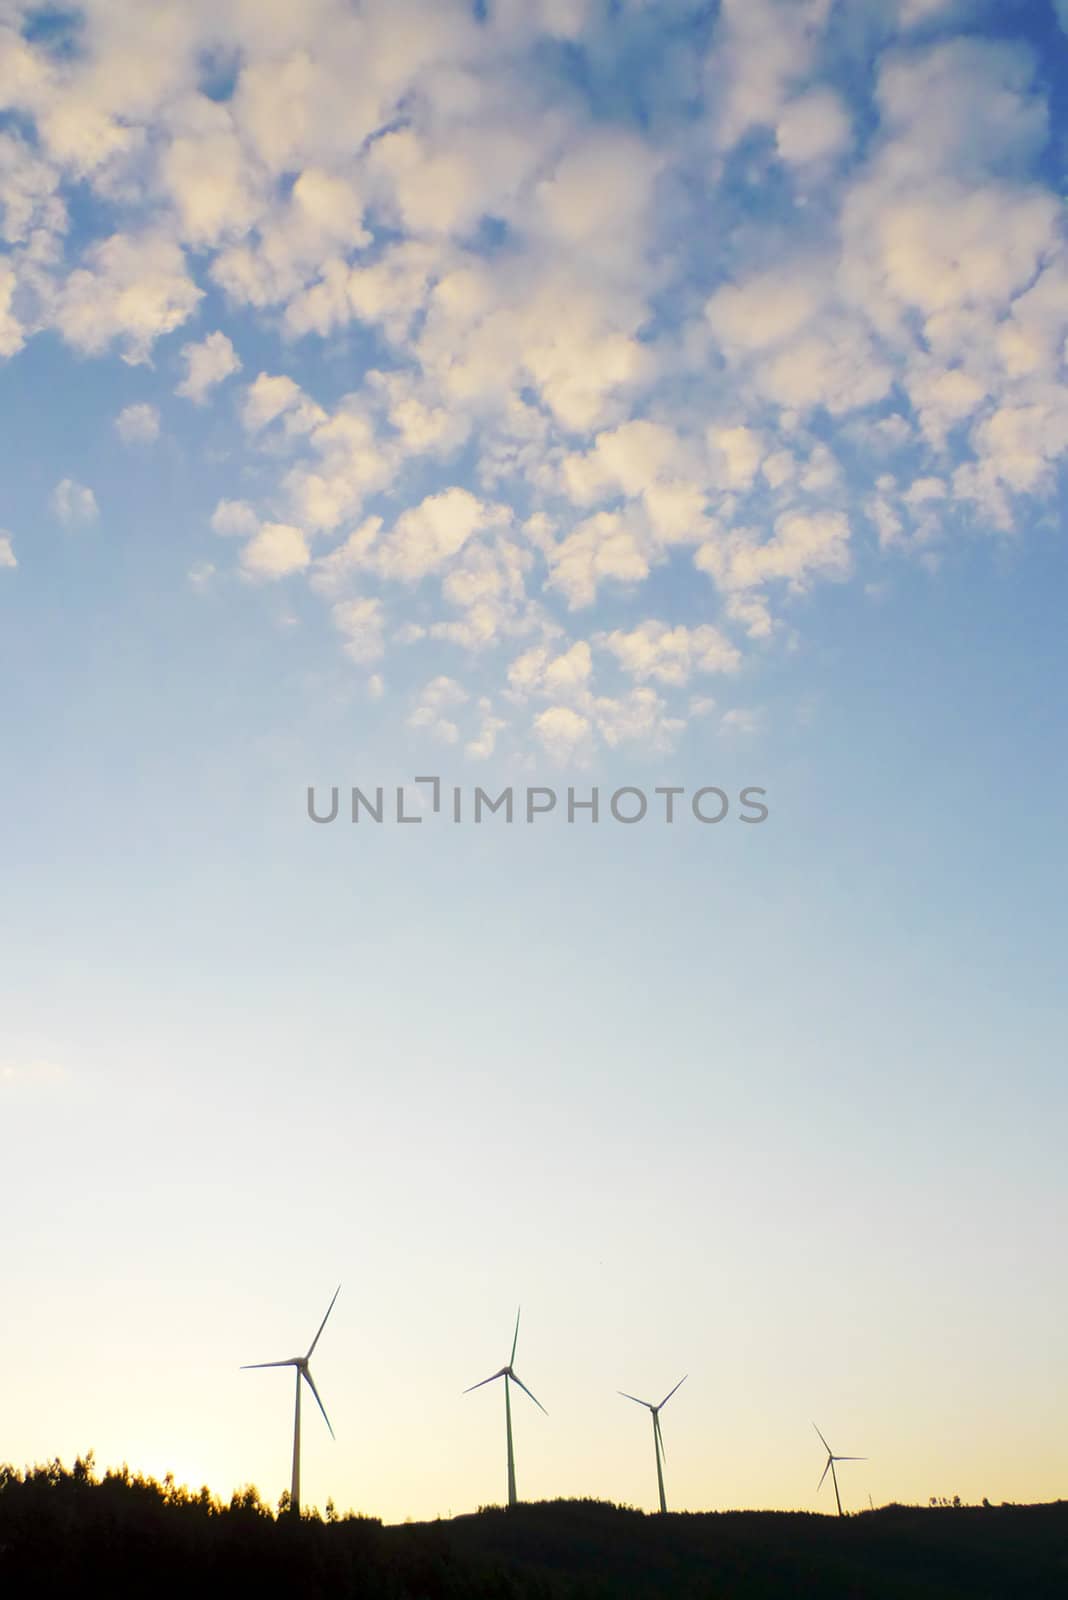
[[509, 1373], [831, 1459], [658, 1438], [303, 1371]]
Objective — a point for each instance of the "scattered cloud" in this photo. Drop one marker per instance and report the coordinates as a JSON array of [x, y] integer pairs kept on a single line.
[[200, 574], [73, 504], [432, 711], [671, 655], [234, 518], [628, 391], [137, 424], [207, 364], [132, 290], [362, 625], [7, 553], [275, 551], [427, 537], [739, 720]]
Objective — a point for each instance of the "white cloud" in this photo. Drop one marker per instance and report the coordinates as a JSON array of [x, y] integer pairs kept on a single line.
[[7, 552], [234, 518], [813, 127], [740, 450], [913, 13], [603, 546], [598, 196], [439, 696], [11, 333], [362, 624], [347, 559], [571, 341], [562, 731], [624, 460], [639, 717], [671, 654], [948, 246], [275, 551], [134, 289], [766, 309], [538, 671], [74, 504], [739, 720], [762, 47], [425, 538], [215, 189], [270, 397], [207, 364], [798, 349], [964, 106], [137, 424], [200, 574], [482, 746], [29, 200], [801, 548], [349, 463]]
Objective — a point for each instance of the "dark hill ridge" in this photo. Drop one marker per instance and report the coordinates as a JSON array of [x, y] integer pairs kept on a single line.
[[63, 1532], [976, 1552]]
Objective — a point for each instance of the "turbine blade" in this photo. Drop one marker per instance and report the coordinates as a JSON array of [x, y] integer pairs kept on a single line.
[[322, 1324], [659, 1434], [315, 1392], [679, 1385], [515, 1339], [826, 1469], [823, 1441], [525, 1390], [493, 1376], [254, 1366], [633, 1397], [851, 1458]]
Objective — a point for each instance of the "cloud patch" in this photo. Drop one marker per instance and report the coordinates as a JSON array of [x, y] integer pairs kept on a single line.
[[74, 504]]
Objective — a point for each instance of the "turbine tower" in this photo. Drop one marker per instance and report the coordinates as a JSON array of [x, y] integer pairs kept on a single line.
[[509, 1374], [658, 1439], [831, 1459], [303, 1370]]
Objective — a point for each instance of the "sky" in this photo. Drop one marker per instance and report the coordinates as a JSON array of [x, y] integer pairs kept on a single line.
[[556, 395]]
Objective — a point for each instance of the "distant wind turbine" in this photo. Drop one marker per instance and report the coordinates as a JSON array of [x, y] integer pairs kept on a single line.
[[831, 1459], [303, 1371], [509, 1373], [658, 1439]]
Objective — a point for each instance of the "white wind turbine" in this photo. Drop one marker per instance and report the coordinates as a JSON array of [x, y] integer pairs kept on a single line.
[[658, 1439], [303, 1371], [831, 1459], [509, 1373]]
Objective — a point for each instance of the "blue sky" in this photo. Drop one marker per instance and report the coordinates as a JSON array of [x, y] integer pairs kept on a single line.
[[560, 394]]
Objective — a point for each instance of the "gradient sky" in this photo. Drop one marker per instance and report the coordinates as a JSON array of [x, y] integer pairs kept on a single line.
[[544, 392]]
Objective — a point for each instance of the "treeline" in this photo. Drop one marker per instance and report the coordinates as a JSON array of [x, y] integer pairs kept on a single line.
[[126, 1534], [67, 1531]]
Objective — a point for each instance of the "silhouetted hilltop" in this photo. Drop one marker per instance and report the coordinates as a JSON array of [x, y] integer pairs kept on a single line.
[[64, 1531]]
